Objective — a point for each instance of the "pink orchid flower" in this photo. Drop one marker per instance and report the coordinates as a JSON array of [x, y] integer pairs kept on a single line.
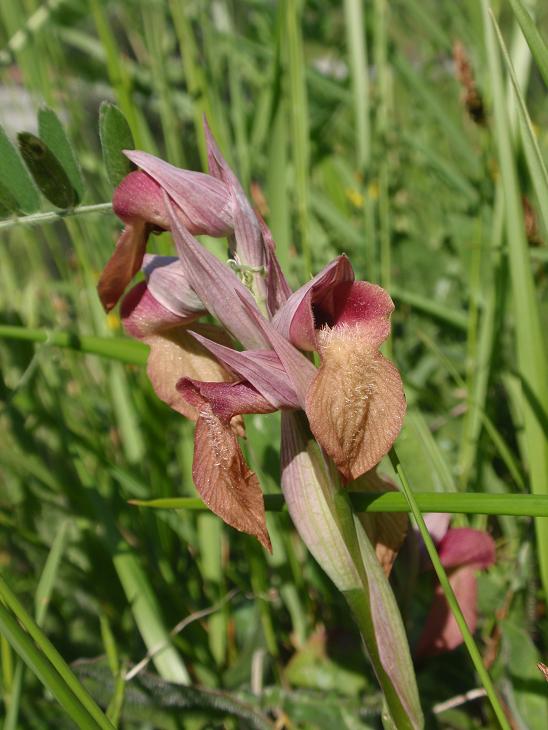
[[338, 419], [354, 401], [463, 552]]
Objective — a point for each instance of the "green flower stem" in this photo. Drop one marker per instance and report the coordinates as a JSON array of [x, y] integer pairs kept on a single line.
[[358, 601], [114, 348], [517, 505], [450, 594], [51, 216], [48, 665], [360, 604]]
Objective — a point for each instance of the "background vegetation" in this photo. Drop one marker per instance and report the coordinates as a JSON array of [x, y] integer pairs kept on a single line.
[[387, 130]]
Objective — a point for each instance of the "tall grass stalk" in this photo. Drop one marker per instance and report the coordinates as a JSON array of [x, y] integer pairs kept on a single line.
[[531, 353], [449, 593]]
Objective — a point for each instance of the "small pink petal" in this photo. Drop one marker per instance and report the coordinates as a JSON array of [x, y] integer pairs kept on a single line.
[[203, 201], [441, 632], [174, 352], [143, 315], [295, 319], [217, 287], [175, 355], [225, 399], [262, 368], [247, 233], [437, 524], [278, 290], [124, 263], [139, 198], [169, 285], [300, 370], [246, 225], [466, 546]]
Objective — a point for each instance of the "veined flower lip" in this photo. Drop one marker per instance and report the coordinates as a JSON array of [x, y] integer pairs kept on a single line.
[[204, 202]]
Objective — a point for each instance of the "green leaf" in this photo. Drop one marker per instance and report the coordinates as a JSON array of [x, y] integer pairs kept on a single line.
[[47, 171], [45, 672], [8, 204], [529, 686], [36, 650], [49, 574], [529, 331], [322, 664], [15, 178], [41, 602], [51, 131], [115, 136]]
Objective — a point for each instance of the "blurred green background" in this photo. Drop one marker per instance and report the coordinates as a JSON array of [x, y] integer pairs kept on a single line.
[[378, 129]]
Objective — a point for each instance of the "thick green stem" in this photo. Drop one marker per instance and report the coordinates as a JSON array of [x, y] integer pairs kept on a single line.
[[51, 216]]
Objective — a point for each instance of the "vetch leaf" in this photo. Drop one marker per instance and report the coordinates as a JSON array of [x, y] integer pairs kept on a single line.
[[51, 131], [47, 171], [15, 178], [8, 204], [115, 136]]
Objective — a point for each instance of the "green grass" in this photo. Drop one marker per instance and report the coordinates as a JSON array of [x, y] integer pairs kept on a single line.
[[348, 120]]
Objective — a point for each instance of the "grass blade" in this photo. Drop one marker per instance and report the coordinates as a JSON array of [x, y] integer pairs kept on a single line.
[[357, 55], [531, 353], [462, 503], [299, 118], [533, 37], [49, 575], [48, 665], [41, 602], [449, 593], [45, 672], [537, 168]]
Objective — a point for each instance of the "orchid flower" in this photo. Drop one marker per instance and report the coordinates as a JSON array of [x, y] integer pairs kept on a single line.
[[463, 552], [338, 419]]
